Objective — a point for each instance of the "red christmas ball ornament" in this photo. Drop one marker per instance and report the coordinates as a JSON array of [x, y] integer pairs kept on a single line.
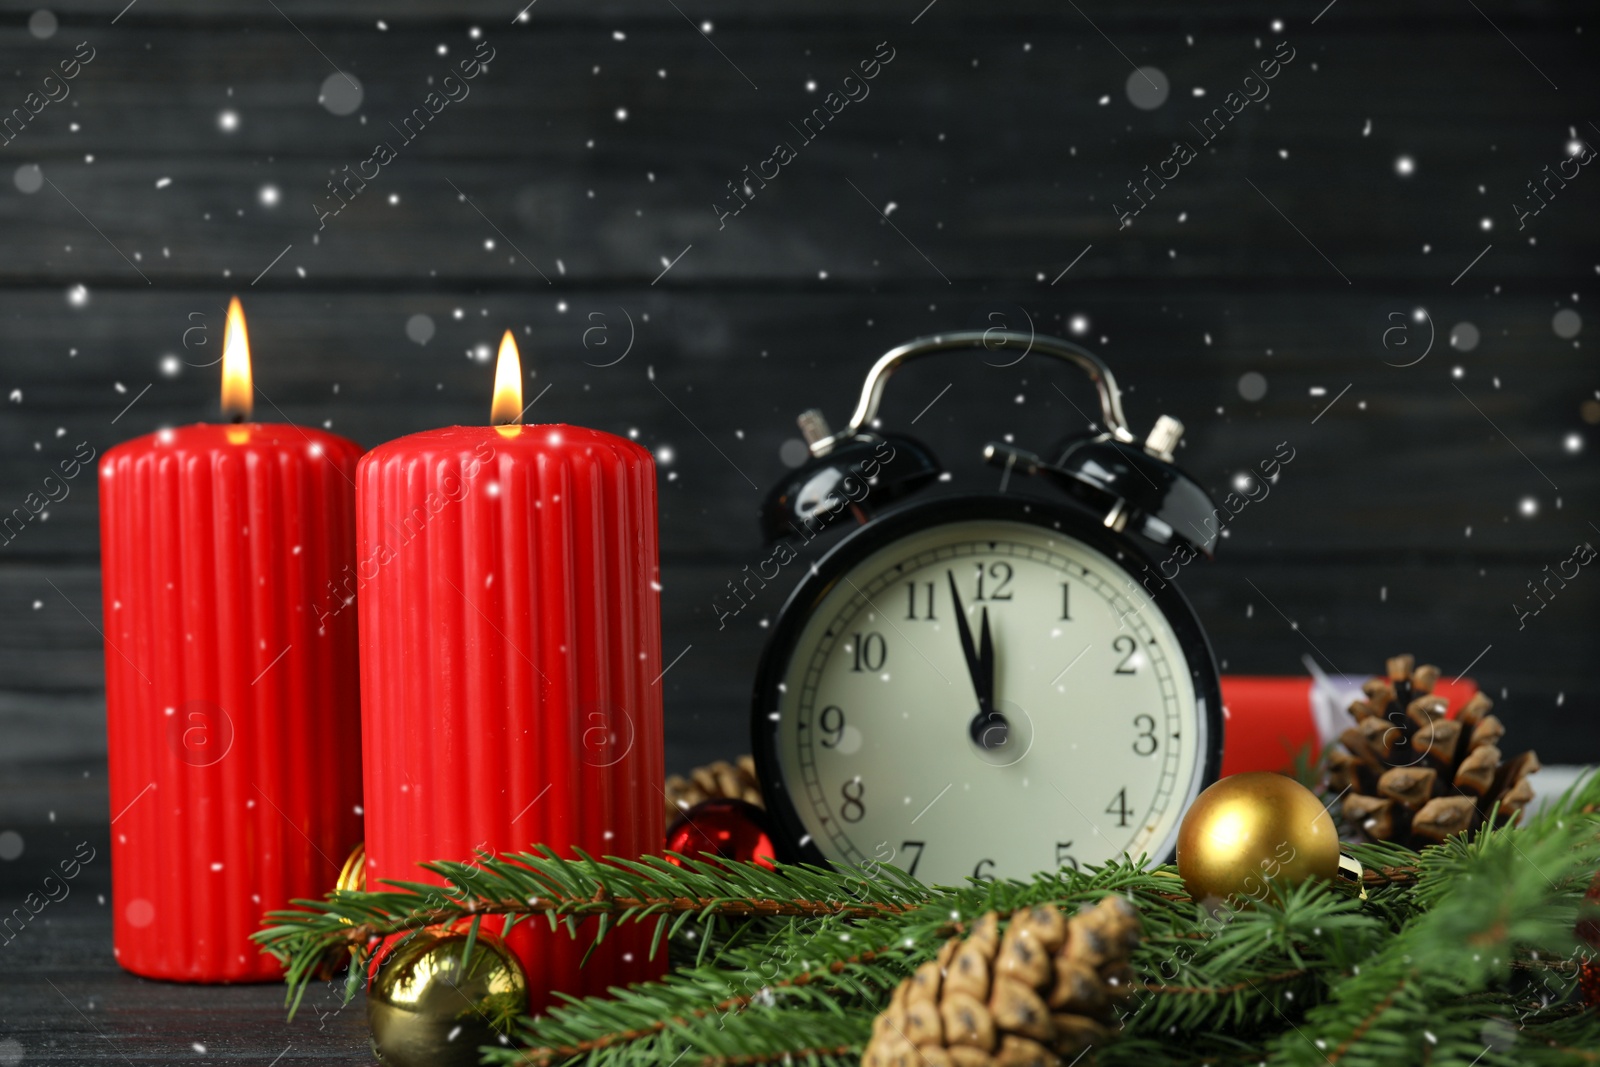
[[1589, 982], [1589, 932], [1589, 914], [730, 829]]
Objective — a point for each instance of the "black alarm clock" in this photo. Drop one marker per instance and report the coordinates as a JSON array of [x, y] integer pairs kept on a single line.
[[988, 685]]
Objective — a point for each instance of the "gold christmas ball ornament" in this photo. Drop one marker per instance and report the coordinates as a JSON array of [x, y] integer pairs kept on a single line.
[[353, 876], [1250, 827], [426, 1009]]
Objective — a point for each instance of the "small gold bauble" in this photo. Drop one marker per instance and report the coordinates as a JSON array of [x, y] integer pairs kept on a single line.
[[1251, 827], [353, 877], [426, 1010]]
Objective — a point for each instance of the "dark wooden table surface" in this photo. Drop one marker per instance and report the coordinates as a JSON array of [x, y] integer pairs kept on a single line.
[[1269, 292]]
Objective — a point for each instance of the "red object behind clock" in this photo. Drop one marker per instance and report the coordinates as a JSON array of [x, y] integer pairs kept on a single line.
[[1270, 720]]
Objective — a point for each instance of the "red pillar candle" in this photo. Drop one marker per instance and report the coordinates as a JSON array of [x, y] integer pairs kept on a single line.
[[232, 710], [510, 660]]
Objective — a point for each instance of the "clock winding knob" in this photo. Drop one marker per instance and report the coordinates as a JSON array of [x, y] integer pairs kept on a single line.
[[1164, 437], [814, 428]]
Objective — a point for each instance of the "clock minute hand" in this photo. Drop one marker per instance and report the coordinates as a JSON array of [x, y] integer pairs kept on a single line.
[[989, 728], [974, 664], [986, 660]]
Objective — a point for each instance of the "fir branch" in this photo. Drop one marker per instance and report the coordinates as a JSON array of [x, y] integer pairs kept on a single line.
[[1212, 1049], [727, 1006], [820, 1039], [1479, 904], [1573, 1039], [1459, 954], [839, 967], [1372, 1016], [1307, 765], [847, 1054], [1223, 990], [1580, 800], [1250, 967], [320, 934]]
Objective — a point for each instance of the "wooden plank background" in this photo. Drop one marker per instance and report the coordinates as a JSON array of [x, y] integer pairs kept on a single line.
[[185, 163]]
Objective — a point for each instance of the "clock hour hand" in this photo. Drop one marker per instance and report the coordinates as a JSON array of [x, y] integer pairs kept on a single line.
[[974, 664]]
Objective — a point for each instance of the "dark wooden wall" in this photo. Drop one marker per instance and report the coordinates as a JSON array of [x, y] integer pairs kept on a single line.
[[1002, 135]]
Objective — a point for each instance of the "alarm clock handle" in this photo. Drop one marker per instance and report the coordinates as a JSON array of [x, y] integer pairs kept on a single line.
[[872, 390]]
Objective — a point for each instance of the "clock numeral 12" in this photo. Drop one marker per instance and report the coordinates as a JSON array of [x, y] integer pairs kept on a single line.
[[1119, 807], [1000, 571], [911, 602], [871, 650], [919, 846], [1066, 590]]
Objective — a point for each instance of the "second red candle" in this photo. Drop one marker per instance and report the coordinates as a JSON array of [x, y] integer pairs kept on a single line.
[[510, 662]]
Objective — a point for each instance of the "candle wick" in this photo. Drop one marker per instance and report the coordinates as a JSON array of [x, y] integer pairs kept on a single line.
[[238, 417]]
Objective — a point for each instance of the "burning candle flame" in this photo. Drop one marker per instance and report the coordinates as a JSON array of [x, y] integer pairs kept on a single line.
[[237, 388], [507, 407]]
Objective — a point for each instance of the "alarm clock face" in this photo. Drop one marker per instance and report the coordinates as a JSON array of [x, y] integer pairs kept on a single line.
[[1072, 723]]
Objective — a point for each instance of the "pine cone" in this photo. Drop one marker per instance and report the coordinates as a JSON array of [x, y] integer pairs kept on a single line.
[[1043, 990], [733, 781], [1413, 776]]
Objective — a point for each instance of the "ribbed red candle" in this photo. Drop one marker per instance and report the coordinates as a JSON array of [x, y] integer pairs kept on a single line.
[[510, 661], [232, 708]]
